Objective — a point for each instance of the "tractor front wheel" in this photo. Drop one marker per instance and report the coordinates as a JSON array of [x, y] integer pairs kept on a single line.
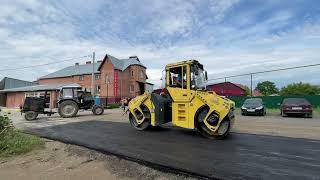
[[68, 109], [97, 110], [30, 115]]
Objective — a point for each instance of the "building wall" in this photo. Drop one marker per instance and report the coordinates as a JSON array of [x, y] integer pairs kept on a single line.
[[137, 74], [107, 79], [3, 98], [149, 88], [15, 99], [56, 80]]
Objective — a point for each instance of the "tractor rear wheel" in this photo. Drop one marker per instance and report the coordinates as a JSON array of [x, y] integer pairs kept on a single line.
[[68, 109], [30, 115], [145, 124], [97, 110], [223, 129]]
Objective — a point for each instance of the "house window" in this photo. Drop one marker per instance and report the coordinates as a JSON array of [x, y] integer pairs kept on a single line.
[[131, 73], [108, 79], [32, 94], [131, 88], [97, 76], [81, 78], [98, 89], [141, 74]]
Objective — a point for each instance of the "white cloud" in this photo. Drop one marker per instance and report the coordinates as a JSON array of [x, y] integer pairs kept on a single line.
[[169, 32]]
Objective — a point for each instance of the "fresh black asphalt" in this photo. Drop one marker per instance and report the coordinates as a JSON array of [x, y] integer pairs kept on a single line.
[[240, 156]]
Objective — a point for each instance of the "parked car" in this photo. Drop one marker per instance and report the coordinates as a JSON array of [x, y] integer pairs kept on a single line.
[[254, 106], [296, 106]]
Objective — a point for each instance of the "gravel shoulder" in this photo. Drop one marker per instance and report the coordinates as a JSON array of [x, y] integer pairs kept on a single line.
[[275, 125], [62, 161]]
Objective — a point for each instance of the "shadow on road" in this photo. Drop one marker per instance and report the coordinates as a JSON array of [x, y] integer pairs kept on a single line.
[[241, 156]]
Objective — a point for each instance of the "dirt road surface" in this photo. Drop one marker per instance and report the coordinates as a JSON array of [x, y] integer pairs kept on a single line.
[[259, 147], [68, 162]]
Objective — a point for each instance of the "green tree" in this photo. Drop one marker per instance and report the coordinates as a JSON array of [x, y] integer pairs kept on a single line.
[[267, 88], [248, 91], [300, 89]]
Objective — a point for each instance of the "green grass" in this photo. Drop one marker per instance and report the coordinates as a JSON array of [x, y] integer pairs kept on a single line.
[[14, 142], [317, 110], [113, 106]]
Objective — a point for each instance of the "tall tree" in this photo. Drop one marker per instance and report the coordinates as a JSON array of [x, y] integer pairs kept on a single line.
[[300, 89], [248, 91], [267, 88]]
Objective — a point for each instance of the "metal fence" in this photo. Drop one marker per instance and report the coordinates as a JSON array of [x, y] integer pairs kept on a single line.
[[275, 101]]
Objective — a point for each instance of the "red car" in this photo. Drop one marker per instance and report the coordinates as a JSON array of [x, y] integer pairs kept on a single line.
[[296, 106]]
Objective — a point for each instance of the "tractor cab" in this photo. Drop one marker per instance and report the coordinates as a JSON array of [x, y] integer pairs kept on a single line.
[[72, 98], [83, 98], [185, 102]]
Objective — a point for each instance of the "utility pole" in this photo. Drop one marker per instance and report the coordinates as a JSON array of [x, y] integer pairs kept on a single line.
[[251, 84], [93, 75]]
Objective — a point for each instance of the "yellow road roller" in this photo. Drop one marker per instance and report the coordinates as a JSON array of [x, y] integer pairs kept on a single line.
[[185, 102]]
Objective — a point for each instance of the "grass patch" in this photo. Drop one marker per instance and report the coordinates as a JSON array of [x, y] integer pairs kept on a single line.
[[317, 110], [269, 110], [14, 142], [273, 110], [113, 106]]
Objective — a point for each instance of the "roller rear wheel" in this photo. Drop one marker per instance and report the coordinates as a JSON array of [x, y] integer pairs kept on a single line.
[[223, 129], [145, 124]]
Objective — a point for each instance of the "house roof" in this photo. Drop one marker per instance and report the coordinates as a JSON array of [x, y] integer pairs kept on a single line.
[[8, 83], [122, 64], [237, 85], [73, 71], [256, 93], [42, 87]]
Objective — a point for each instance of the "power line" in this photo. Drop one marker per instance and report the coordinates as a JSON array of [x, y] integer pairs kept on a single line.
[[56, 62], [267, 71], [20, 57]]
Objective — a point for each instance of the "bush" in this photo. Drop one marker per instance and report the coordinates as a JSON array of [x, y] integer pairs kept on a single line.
[[13, 142], [5, 123]]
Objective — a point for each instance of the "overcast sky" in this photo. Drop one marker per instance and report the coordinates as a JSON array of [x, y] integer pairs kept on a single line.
[[228, 36]]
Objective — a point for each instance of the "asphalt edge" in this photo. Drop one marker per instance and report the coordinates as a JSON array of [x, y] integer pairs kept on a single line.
[[153, 165]]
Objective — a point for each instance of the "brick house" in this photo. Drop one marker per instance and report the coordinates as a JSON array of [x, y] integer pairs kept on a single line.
[[114, 78]]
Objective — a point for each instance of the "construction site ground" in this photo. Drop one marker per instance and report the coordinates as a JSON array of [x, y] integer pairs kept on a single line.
[[259, 147]]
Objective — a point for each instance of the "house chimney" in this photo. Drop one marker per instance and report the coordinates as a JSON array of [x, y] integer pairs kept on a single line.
[[76, 64], [88, 62], [134, 57]]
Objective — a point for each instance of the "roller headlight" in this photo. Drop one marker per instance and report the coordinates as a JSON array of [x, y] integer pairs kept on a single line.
[[243, 107], [260, 107]]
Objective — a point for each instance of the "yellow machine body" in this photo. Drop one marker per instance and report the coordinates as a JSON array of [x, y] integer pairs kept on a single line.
[[186, 101]]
